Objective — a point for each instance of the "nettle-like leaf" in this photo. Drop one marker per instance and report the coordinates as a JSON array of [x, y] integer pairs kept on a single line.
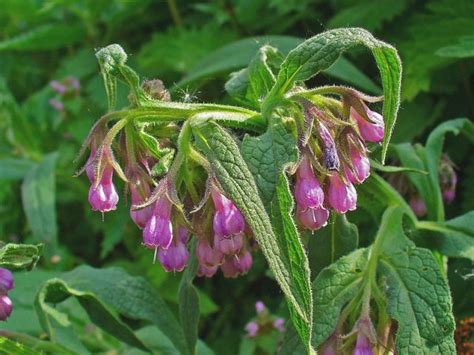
[[266, 155], [237, 180], [418, 297], [103, 293], [321, 51], [20, 256]]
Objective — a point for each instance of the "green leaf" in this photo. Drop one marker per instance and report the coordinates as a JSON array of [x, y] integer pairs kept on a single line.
[[266, 156], [418, 295], [14, 169], [321, 51], [55, 322], [131, 296], [237, 180], [20, 256], [38, 197], [433, 150], [294, 255], [10, 347], [463, 49], [45, 37], [333, 288], [395, 169], [189, 301], [453, 238], [261, 78], [237, 55], [332, 242]]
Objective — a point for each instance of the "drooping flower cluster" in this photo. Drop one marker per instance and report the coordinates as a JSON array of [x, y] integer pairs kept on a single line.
[[333, 160], [264, 323], [6, 285], [448, 180]]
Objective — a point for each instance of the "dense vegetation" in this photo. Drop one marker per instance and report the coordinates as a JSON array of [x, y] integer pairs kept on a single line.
[[83, 281]]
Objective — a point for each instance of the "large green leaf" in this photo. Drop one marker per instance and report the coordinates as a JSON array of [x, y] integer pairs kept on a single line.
[[237, 55], [38, 197], [453, 238], [266, 156], [321, 51], [20, 256], [293, 254], [418, 295], [14, 169], [333, 288], [45, 37], [332, 242], [463, 49], [237, 180], [131, 296]]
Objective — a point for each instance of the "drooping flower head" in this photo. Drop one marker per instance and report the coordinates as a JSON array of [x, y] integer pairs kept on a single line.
[[158, 231], [342, 196], [370, 123], [140, 191], [176, 256], [360, 164]]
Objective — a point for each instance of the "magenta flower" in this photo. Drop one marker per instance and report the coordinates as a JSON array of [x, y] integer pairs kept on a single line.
[[342, 196], [228, 221], [208, 256], [449, 192], [308, 191], [140, 191], [252, 329], [331, 158], [259, 307], [234, 266], [56, 104], [363, 345], [158, 231], [207, 271], [360, 163], [57, 86], [228, 245], [418, 206], [372, 130], [6, 280], [313, 218], [279, 324], [6, 307], [176, 257]]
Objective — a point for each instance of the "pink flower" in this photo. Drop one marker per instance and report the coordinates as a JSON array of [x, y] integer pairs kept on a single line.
[[140, 191], [158, 231], [175, 257], [418, 206], [342, 196], [259, 307], [234, 266], [252, 329], [6, 280], [207, 271], [360, 162], [208, 256], [104, 197], [279, 324], [56, 104], [228, 220], [363, 345], [313, 218], [57, 86], [308, 191], [372, 130], [6, 307]]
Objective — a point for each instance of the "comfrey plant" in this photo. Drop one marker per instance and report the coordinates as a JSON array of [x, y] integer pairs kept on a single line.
[[215, 183]]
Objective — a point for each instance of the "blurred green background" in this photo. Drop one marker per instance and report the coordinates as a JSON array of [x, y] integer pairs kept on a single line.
[[192, 46]]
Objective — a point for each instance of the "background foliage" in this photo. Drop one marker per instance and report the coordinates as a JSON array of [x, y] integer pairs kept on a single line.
[[192, 46]]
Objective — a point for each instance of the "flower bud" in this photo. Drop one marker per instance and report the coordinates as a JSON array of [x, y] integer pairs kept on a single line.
[[279, 324], [342, 196], [448, 178], [158, 231], [252, 329], [104, 197], [140, 191], [360, 163], [6, 307], [308, 191], [207, 271], [373, 130], [313, 218], [331, 159], [207, 255], [175, 257], [259, 307], [228, 220], [418, 206], [363, 345], [6, 280]]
